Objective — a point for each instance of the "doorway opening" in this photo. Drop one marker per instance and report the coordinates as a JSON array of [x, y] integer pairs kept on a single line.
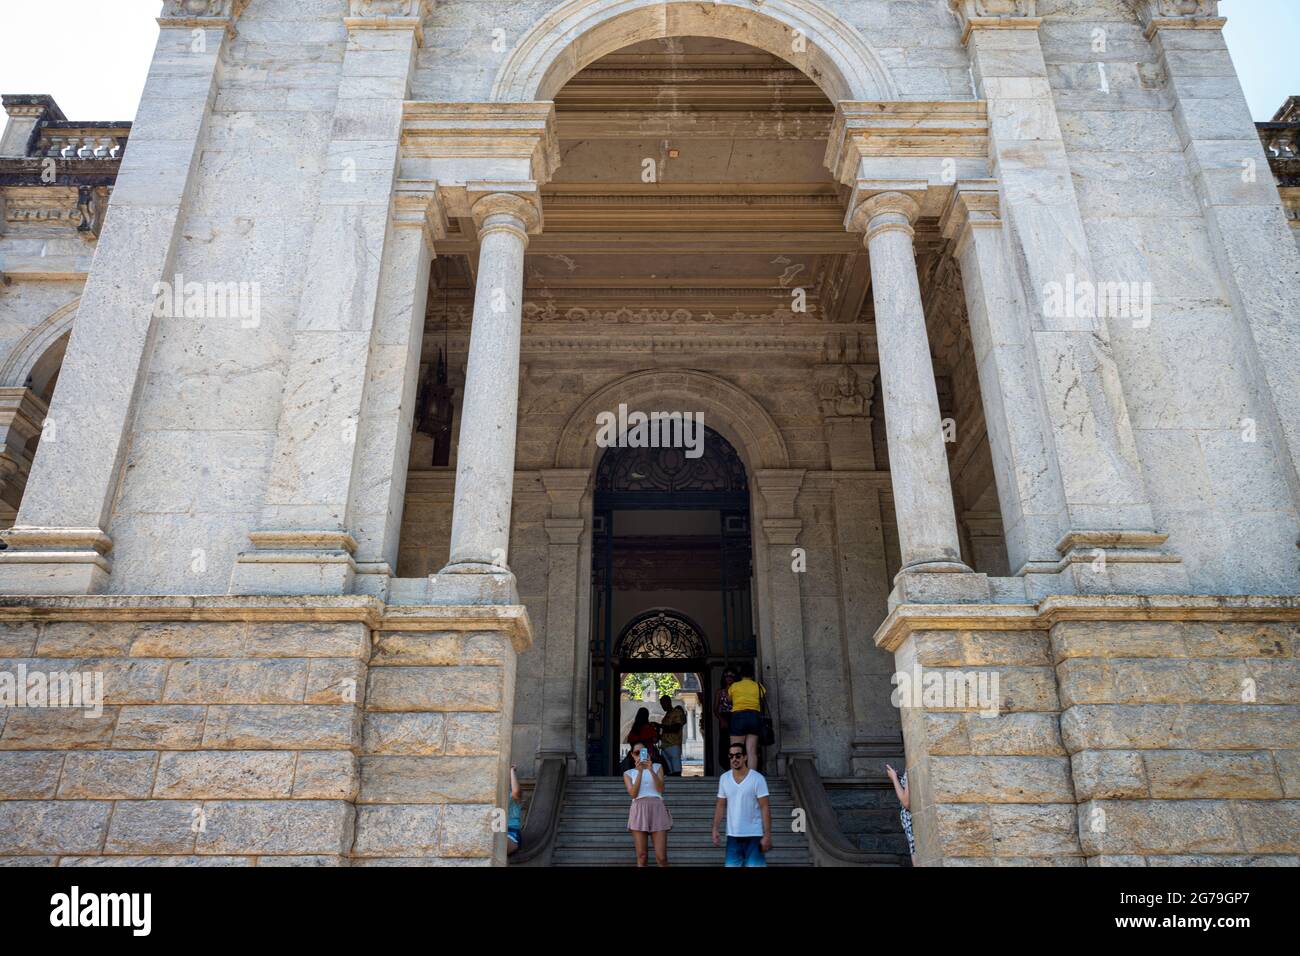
[[672, 566]]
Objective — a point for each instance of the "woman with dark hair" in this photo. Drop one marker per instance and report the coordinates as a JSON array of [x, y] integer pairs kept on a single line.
[[648, 819], [643, 733]]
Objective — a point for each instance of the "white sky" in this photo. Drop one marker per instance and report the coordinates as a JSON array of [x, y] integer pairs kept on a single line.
[[92, 55]]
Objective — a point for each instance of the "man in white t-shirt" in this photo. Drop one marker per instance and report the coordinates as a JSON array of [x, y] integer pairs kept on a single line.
[[742, 796]]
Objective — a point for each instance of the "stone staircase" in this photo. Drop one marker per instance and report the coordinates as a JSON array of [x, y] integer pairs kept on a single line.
[[592, 830]]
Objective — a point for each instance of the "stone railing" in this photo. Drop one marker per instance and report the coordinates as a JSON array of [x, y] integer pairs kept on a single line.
[[1282, 149], [65, 140]]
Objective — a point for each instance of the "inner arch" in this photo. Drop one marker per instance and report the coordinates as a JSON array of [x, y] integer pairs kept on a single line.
[[577, 33]]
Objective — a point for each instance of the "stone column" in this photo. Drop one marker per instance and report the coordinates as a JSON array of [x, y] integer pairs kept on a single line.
[[918, 464], [22, 414], [485, 461], [563, 710], [1028, 478], [304, 543], [1249, 232], [783, 649], [1105, 498], [59, 542]]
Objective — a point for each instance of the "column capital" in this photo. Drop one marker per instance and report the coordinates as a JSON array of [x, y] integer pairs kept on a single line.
[[565, 488], [513, 206], [779, 488], [201, 13], [884, 211], [1157, 15], [389, 15], [975, 204], [418, 205], [995, 14]]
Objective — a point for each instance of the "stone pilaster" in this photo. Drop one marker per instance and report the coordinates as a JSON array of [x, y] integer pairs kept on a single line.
[[1107, 508], [783, 634], [1028, 479], [1249, 231], [304, 544], [562, 701], [26, 112], [59, 541], [480, 530], [378, 489]]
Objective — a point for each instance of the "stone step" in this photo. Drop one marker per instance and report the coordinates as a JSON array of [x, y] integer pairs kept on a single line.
[[626, 856], [592, 829], [676, 838]]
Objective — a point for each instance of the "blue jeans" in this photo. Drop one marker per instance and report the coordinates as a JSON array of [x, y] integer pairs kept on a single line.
[[745, 851]]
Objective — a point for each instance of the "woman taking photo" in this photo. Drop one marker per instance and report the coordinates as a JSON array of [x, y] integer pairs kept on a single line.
[[648, 816]]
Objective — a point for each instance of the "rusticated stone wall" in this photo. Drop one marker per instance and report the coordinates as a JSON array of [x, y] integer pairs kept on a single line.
[[989, 790], [258, 743], [1116, 742], [1184, 739]]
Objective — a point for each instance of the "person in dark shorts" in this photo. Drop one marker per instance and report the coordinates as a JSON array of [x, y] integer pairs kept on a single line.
[[746, 697]]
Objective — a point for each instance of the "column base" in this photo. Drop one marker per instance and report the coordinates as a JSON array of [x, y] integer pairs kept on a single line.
[[55, 561], [949, 586], [458, 584], [1119, 562], [296, 562]]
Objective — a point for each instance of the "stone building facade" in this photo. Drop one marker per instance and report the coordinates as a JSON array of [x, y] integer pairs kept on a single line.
[[988, 306]]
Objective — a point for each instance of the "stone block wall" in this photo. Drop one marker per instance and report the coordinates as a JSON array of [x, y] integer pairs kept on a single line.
[[435, 752], [1184, 740], [258, 743], [1116, 742], [989, 790], [230, 743]]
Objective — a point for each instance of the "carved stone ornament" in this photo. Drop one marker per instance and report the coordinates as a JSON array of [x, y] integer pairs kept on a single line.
[[1155, 14], [389, 8], [203, 9], [1016, 14], [992, 9], [843, 397]]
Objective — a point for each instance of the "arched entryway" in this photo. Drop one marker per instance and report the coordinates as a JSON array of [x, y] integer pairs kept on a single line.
[[671, 576]]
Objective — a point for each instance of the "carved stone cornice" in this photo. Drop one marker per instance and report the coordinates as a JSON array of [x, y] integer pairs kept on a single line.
[[378, 9], [995, 15], [201, 13], [459, 143], [939, 129], [974, 205], [1157, 15]]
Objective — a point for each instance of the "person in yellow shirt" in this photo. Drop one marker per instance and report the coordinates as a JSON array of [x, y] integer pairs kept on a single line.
[[746, 704]]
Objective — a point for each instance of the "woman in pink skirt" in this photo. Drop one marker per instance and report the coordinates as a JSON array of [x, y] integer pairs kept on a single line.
[[645, 785]]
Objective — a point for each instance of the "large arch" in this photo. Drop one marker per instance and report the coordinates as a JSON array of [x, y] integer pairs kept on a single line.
[[20, 364], [733, 413], [578, 32]]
